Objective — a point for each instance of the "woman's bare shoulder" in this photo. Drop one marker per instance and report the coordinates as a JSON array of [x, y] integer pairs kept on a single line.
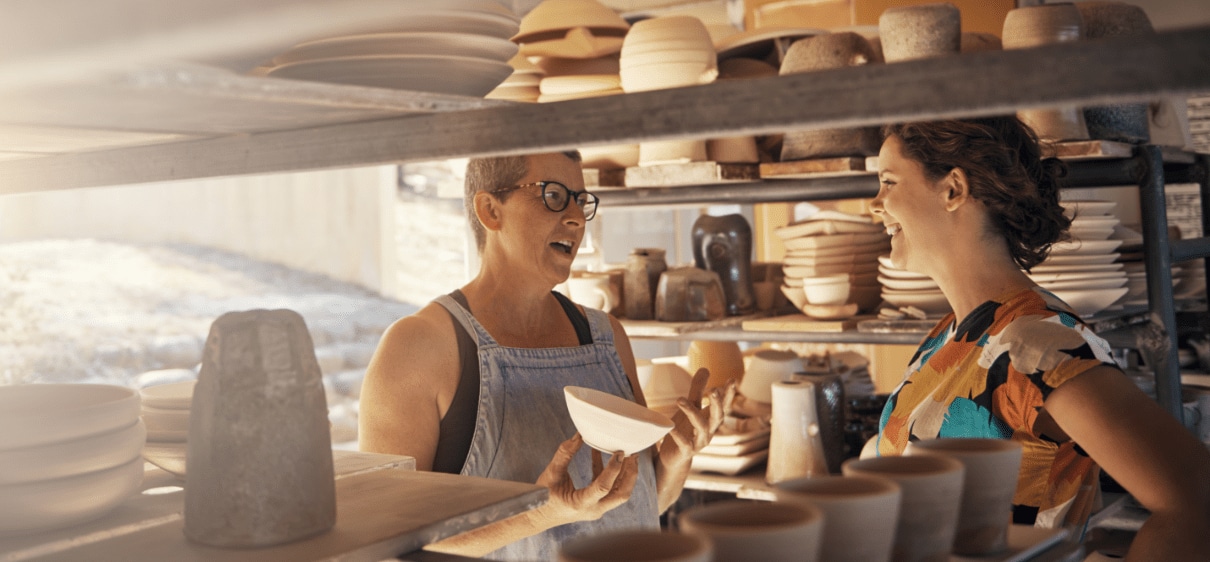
[[423, 343]]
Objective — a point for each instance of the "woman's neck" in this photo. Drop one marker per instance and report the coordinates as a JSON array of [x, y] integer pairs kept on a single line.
[[971, 278]]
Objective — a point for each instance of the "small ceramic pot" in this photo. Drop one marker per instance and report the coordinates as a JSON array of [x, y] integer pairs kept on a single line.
[[739, 530], [766, 367], [1033, 26], [860, 513], [689, 294], [643, 269], [919, 32], [990, 481], [928, 512], [824, 52]]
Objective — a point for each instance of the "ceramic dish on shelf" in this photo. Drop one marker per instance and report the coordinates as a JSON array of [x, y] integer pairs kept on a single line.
[[1106, 221], [830, 227], [875, 248], [833, 240], [474, 17], [171, 396], [795, 294], [576, 43], [1109, 283], [165, 421], [421, 73], [808, 260], [931, 302], [1090, 208], [1077, 276], [822, 270], [727, 464], [738, 449], [71, 458], [580, 84], [50, 504], [1080, 259], [553, 16], [401, 43], [1076, 268], [611, 423], [1090, 234], [1086, 302], [168, 456], [739, 430], [893, 273], [1085, 247], [908, 284], [555, 66], [42, 414]]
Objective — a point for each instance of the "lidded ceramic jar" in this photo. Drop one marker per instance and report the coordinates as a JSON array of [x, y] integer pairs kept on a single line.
[[1034, 26]]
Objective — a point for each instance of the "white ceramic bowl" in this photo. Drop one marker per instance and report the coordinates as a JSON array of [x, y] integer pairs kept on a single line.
[[168, 456], [161, 421], [172, 396], [667, 28], [1086, 302], [795, 294], [71, 458], [663, 76], [666, 57], [610, 423], [50, 504], [827, 290], [666, 382], [766, 367], [556, 15], [40, 414]]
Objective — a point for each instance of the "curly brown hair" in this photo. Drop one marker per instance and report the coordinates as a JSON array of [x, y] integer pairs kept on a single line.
[[1002, 158]]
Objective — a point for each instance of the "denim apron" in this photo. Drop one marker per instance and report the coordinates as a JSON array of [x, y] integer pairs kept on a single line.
[[523, 418]]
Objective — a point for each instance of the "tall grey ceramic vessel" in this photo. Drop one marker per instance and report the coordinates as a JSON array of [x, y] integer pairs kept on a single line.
[[724, 245], [260, 452]]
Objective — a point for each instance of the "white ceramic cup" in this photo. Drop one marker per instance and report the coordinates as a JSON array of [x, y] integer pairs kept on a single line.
[[637, 546], [860, 514], [593, 291], [992, 466], [766, 367], [767, 531], [928, 512], [827, 290]]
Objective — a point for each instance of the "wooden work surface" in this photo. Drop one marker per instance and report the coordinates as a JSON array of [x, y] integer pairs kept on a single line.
[[802, 323], [384, 508], [656, 328]]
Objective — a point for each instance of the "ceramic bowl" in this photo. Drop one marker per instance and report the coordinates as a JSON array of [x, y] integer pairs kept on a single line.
[[172, 396], [766, 367], [662, 76], [667, 28], [637, 546], [165, 421], [666, 45], [70, 458], [665, 382], [833, 289], [779, 531], [557, 15], [680, 56], [61, 502], [168, 456], [582, 84], [41, 414], [610, 423]]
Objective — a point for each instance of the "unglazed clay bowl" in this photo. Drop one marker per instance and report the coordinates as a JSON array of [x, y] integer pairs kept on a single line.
[[50, 504], [560, 15], [71, 458], [171, 396], [860, 513], [611, 423], [637, 546], [41, 414], [766, 531]]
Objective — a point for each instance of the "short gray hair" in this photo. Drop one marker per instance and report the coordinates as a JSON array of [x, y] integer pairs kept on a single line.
[[491, 174]]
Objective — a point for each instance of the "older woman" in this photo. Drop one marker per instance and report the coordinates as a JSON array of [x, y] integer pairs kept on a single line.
[[971, 204], [473, 383]]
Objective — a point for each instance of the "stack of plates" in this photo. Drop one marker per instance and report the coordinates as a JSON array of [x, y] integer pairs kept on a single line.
[[1086, 272], [69, 453], [903, 289], [461, 47], [166, 413], [575, 29], [522, 84], [739, 444], [833, 243]]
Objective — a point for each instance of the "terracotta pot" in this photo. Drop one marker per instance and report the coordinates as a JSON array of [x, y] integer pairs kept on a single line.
[[919, 32], [928, 512], [778, 531], [860, 513]]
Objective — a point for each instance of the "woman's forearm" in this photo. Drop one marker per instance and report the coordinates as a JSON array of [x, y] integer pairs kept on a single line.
[[1172, 537], [670, 480], [488, 538]]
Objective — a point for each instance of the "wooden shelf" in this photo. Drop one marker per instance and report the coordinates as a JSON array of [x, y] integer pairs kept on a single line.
[[1119, 71]]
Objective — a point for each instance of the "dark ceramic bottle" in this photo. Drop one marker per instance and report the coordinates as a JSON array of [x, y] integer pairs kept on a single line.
[[724, 245]]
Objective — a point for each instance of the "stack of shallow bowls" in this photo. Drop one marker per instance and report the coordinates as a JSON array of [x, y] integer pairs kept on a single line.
[[668, 52], [166, 413], [69, 453], [828, 247], [1085, 272], [460, 47], [575, 29], [522, 84], [903, 289]]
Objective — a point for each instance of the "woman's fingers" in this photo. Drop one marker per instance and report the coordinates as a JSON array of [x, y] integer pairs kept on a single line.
[[697, 388], [556, 469], [624, 484], [603, 483], [597, 463]]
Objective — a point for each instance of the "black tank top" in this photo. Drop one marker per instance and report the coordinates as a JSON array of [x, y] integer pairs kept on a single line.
[[458, 426]]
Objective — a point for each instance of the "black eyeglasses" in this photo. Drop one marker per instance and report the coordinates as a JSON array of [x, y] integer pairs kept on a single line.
[[557, 197]]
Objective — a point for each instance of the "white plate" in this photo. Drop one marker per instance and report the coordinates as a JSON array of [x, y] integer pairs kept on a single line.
[[1076, 268], [907, 284], [1025, 542], [422, 73], [834, 240], [900, 273], [829, 226], [1078, 259], [728, 465], [1083, 284], [737, 449], [877, 248], [930, 302], [403, 43], [1086, 247], [1087, 302], [828, 269], [1091, 234], [580, 84], [1090, 208], [1107, 221]]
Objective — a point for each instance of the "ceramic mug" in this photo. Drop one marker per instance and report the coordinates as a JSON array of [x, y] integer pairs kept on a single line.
[[640, 546], [593, 290], [769, 531], [990, 481], [860, 514], [928, 512]]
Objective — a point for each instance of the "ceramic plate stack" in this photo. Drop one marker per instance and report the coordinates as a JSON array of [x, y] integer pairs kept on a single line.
[[166, 413], [903, 289], [834, 243], [1085, 272], [739, 444], [69, 453], [461, 48], [574, 29], [522, 84]]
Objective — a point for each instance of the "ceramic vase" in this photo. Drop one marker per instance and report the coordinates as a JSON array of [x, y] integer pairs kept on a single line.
[[724, 245], [742, 531], [928, 511], [830, 405], [1124, 122], [643, 269], [860, 513], [1033, 26], [795, 445], [918, 32], [824, 52]]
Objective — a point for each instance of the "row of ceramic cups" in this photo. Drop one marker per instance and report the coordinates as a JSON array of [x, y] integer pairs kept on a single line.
[[947, 495]]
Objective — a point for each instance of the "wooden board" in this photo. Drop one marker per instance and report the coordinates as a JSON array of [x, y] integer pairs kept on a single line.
[[802, 323], [382, 510], [655, 328], [690, 173], [1093, 150], [594, 177], [814, 167]]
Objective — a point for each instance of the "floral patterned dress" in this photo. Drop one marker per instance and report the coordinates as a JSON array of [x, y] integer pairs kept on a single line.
[[988, 377]]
